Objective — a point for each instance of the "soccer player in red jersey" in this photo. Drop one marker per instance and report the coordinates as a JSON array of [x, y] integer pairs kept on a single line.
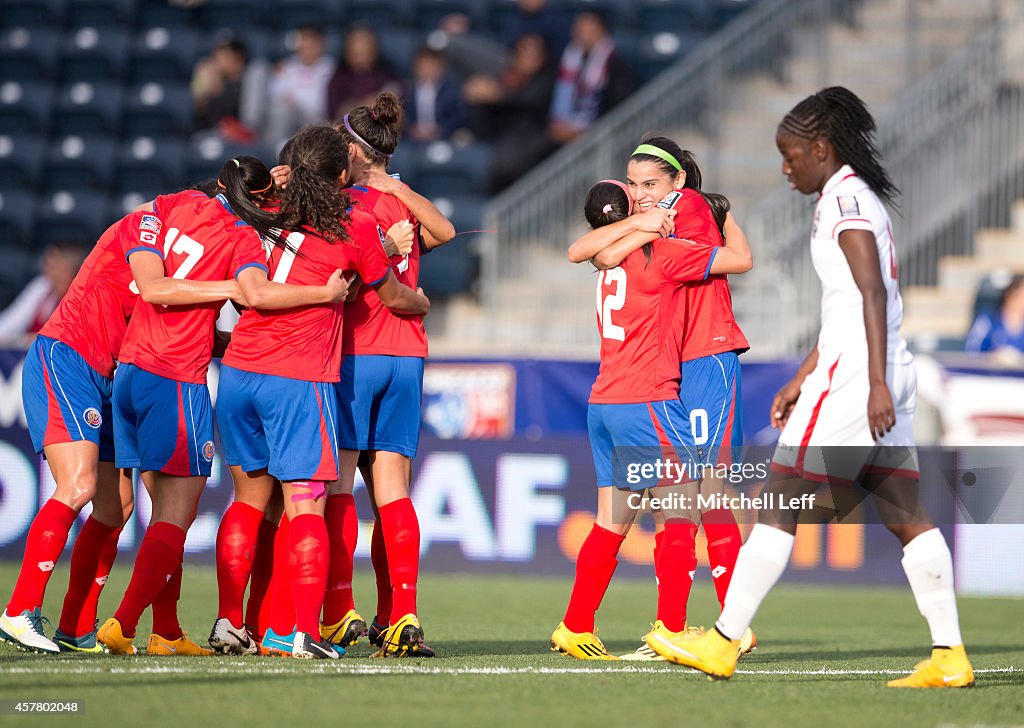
[[67, 386], [379, 400], [278, 376], [635, 414], [162, 412]]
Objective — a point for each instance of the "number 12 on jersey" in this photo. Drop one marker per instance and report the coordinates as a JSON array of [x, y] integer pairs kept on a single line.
[[606, 304]]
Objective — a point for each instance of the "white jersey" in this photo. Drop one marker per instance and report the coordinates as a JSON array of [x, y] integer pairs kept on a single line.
[[847, 203]]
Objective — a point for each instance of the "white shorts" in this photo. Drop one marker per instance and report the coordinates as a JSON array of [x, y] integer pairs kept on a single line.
[[827, 437]]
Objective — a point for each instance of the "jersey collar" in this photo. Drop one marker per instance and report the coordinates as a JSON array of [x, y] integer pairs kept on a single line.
[[844, 172]]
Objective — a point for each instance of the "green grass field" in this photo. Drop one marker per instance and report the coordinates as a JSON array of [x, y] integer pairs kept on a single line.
[[824, 657]]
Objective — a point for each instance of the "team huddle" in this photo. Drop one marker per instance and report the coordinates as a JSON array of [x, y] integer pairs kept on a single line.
[[322, 254]]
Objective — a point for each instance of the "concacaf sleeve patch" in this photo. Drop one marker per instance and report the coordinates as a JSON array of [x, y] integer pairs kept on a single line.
[[848, 206], [150, 222], [669, 201]]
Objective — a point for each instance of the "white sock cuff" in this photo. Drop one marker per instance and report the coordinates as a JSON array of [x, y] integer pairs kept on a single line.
[[927, 546], [770, 543]]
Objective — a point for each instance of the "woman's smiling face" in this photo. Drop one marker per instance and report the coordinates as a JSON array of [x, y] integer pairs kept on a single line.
[[648, 183]]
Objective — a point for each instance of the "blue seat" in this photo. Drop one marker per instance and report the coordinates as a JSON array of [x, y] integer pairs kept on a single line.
[[25, 108], [675, 15], [150, 163], [71, 215], [154, 108], [33, 13], [658, 51], [123, 202], [405, 162], [207, 153], [100, 12], [164, 13], [321, 13], [94, 54], [618, 14], [79, 162], [380, 13], [450, 269], [17, 218], [398, 47], [427, 14], [20, 266], [29, 54], [446, 169], [21, 157], [727, 10], [164, 54], [232, 14], [88, 108]]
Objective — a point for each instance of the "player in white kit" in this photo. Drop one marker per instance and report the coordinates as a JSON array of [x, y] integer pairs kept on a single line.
[[846, 416]]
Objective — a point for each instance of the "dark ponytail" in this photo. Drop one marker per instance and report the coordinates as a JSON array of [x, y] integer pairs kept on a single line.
[[245, 183], [375, 130], [318, 157], [606, 202]]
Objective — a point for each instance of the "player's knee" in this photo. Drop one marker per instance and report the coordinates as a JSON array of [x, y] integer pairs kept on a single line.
[[76, 490]]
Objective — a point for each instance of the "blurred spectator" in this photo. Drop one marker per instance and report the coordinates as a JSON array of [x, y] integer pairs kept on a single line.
[[27, 313], [592, 79], [543, 18], [361, 75], [298, 88], [513, 110], [1003, 328], [229, 92], [435, 108]]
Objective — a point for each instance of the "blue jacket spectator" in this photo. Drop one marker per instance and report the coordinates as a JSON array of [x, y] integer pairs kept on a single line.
[[433, 99], [1002, 328]]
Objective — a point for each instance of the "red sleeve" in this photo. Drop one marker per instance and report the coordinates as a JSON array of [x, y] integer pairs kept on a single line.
[[248, 252], [141, 231], [682, 261], [372, 264], [694, 219]]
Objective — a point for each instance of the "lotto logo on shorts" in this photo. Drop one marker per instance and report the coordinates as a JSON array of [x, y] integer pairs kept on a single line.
[[150, 222], [92, 417], [208, 450]]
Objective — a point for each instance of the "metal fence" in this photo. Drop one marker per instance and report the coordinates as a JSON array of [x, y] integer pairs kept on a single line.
[[953, 144]]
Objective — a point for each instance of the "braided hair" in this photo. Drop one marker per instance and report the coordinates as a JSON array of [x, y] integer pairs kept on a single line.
[[838, 115]]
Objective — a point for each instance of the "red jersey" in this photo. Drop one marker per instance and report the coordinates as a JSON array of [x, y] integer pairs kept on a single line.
[[201, 240], [305, 342], [637, 318], [710, 326], [370, 326], [93, 315]]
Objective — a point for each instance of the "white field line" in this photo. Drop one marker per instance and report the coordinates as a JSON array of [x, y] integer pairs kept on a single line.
[[217, 666]]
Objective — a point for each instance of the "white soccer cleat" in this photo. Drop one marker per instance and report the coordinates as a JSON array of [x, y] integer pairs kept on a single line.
[[26, 632], [307, 647], [643, 653], [225, 639]]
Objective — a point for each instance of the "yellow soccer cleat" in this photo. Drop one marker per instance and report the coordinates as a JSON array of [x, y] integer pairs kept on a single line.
[[582, 645], [404, 639], [712, 654], [644, 651], [181, 647], [748, 642], [947, 668], [112, 637], [346, 632]]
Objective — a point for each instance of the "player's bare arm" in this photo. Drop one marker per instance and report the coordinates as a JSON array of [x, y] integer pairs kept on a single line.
[[655, 220], [785, 399], [861, 253], [259, 292], [437, 229], [156, 287], [400, 298]]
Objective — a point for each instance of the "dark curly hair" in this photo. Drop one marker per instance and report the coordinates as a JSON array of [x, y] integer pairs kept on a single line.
[[314, 200]]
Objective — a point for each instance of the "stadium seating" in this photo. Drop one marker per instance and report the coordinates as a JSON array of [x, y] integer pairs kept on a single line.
[[445, 169], [207, 153], [22, 160], [28, 53], [150, 164], [675, 15], [89, 108], [94, 54], [164, 54], [322, 13], [25, 108], [17, 216], [231, 14], [99, 12], [158, 108], [79, 162], [70, 215]]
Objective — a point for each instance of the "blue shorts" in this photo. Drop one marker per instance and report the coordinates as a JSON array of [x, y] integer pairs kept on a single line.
[[162, 424], [379, 403], [284, 425], [629, 440], [710, 390], [65, 399]]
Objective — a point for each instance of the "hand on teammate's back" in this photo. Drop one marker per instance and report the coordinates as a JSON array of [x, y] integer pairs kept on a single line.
[[383, 182], [337, 286], [399, 238], [656, 220]]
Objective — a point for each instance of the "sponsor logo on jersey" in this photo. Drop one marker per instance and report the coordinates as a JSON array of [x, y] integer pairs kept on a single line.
[[848, 205], [150, 222], [669, 201], [92, 417], [208, 450]]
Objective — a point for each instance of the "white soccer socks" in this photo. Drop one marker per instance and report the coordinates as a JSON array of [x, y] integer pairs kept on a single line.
[[929, 567], [761, 562]]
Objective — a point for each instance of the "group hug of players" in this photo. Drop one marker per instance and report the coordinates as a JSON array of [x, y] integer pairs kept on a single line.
[[116, 380], [303, 401], [669, 386]]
